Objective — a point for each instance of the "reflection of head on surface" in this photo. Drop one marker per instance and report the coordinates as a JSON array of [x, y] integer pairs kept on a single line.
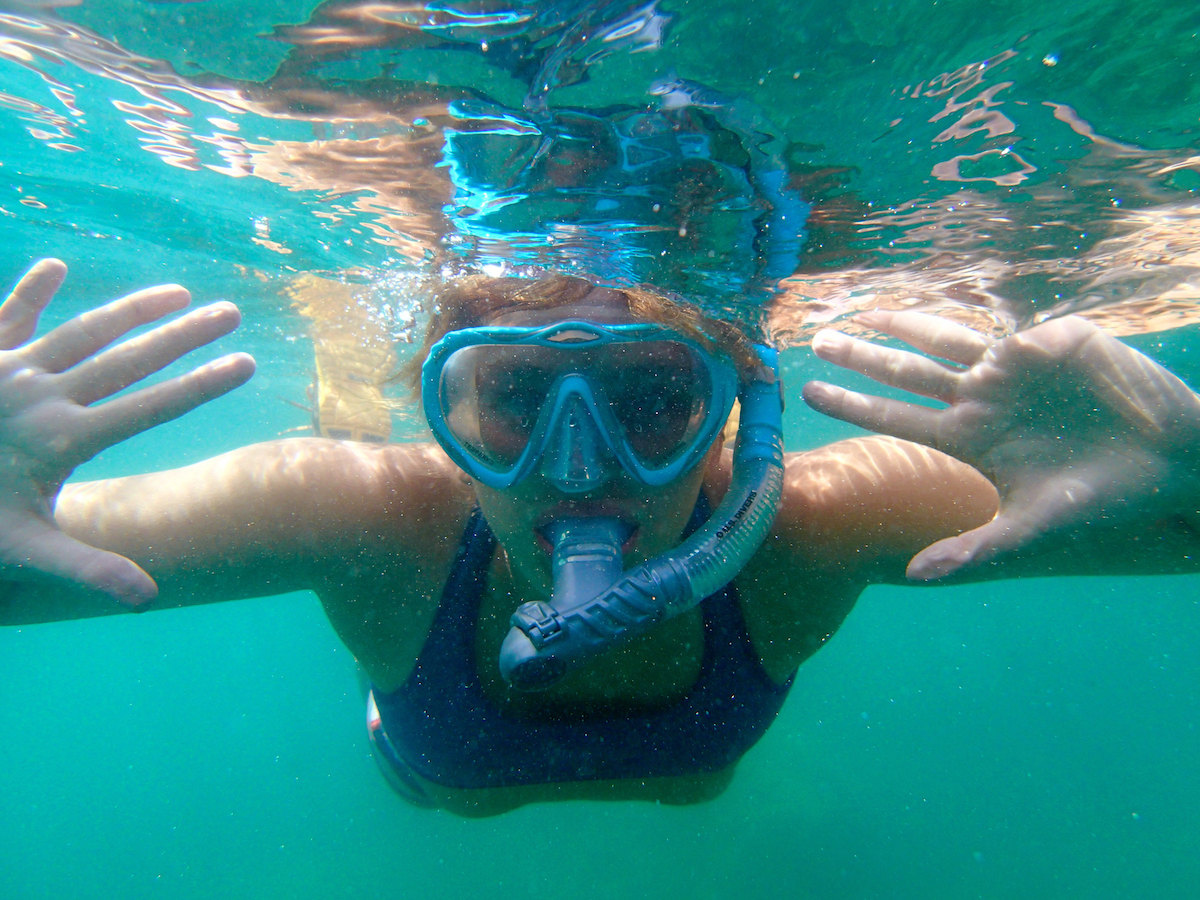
[[477, 300]]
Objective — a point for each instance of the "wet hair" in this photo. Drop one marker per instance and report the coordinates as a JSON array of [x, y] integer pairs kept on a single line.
[[477, 299]]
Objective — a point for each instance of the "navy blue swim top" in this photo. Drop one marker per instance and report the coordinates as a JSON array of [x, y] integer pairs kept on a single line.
[[442, 726]]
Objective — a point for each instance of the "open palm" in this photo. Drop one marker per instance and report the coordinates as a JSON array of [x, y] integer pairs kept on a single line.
[[50, 423], [1073, 427]]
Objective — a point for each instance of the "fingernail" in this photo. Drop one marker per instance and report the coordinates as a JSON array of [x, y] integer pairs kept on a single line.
[[820, 390], [221, 307], [239, 362], [827, 339]]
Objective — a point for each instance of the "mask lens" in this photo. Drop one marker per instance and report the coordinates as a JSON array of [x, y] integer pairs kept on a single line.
[[659, 393], [491, 396]]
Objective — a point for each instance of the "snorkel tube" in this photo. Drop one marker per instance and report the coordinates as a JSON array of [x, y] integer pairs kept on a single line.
[[594, 606]]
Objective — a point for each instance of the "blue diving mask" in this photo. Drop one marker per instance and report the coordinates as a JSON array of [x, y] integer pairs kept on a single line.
[[578, 400]]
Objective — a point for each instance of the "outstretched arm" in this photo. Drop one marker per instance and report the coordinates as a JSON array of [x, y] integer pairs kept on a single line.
[[51, 418], [1093, 447], [371, 528], [362, 524]]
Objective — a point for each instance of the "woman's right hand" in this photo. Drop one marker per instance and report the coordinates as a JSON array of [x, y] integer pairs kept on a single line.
[[50, 421]]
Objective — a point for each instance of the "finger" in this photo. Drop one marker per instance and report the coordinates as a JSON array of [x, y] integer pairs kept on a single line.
[[930, 334], [38, 551], [133, 413], [970, 549], [120, 578], [907, 421], [21, 309], [84, 335], [1029, 514], [896, 368], [1140, 390], [117, 368]]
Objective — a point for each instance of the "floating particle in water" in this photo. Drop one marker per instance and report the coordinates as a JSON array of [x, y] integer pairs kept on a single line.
[[1050, 59]]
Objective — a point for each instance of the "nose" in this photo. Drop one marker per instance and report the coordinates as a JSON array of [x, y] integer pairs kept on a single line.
[[578, 458]]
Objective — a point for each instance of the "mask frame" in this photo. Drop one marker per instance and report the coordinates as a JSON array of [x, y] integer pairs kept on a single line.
[[572, 389]]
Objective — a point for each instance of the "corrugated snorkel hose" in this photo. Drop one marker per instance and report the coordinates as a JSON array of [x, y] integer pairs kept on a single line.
[[545, 641]]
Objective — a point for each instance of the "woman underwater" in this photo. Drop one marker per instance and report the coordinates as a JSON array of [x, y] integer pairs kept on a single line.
[[582, 426]]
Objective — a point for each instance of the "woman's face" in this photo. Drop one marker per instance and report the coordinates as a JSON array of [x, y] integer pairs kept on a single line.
[[656, 516]]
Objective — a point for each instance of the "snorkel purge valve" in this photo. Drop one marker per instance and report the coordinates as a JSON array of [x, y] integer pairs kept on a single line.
[[594, 606]]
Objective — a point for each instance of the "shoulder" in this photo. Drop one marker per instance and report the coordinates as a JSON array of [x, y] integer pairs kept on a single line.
[[852, 514], [390, 518], [878, 496], [875, 494]]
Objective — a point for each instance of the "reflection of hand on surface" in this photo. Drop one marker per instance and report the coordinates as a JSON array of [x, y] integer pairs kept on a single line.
[[1073, 427], [48, 424]]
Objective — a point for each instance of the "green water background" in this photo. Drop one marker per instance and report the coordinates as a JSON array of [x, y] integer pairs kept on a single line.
[[1021, 739]]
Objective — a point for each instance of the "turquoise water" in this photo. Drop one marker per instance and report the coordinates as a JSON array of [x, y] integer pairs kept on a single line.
[[1019, 739]]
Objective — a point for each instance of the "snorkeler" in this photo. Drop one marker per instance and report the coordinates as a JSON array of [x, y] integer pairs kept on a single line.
[[568, 529]]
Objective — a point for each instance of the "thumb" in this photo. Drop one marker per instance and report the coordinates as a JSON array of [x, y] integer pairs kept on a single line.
[[1032, 511], [120, 578], [52, 554], [970, 549]]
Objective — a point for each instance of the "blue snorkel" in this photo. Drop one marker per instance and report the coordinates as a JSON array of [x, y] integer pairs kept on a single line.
[[594, 606]]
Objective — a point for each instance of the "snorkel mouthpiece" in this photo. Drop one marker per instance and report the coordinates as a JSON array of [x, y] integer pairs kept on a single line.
[[594, 607], [586, 562], [587, 557]]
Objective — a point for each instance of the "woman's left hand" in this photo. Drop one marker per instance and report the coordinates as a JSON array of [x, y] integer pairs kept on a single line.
[[1073, 427]]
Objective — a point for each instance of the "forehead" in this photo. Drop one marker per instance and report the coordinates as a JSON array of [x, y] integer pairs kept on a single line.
[[601, 305]]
